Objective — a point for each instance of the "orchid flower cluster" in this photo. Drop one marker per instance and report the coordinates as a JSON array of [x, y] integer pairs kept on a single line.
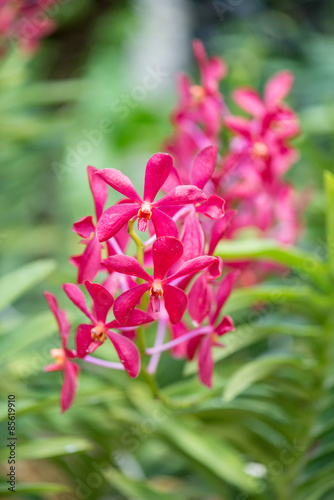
[[25, 22], [174, 283]]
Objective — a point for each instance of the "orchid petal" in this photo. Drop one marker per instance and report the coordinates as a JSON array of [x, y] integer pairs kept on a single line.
[[61, 317], [178, 330], [203, 166], [113, 219], [175, 303], [99, 190], [157, 170], [83, 339], [181, 195], [126, 302], [53, 367], [226, 325], [213, 207], [127, 352], [205, 362], [120, 182], [103, 300], [224, 290], [166, 251], [215, 270], [126, 265], [249, 100], [69, 387], [193, 345], [163, 224], [192, 266], [239, 125], [192, 237], [74, 293], [89, 262], [198, 304], [219, 229], [277, 88], [136, 318], [84, 227]]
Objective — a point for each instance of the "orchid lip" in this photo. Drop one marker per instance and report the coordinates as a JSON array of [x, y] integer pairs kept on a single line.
[[197, 92], [260, 150], [59, 356], [99, 332], [156, 289], [145, 210]]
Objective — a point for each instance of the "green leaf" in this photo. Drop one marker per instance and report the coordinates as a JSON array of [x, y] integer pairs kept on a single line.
[[51, 447], [329, 186], [303, 262], [257, 370], [34, 488], [217, 456], [15, 284], [246, 335], [84, 398], [276, 295], [28, 331], [138, 490]]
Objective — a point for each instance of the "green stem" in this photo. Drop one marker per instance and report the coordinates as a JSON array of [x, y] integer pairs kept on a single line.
[[138, 242]]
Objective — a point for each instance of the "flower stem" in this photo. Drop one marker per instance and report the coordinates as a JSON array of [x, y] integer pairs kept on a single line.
[[187, 336], [102, 362], [138, 242]]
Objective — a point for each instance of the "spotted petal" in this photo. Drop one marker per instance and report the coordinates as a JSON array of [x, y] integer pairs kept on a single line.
[[166, 251], [127, 301], [175, 303], [114, 218], [203, 166]]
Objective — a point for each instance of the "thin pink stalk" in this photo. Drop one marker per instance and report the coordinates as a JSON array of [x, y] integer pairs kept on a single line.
[[187, 336], [116, 246], [160, 337], [105, 364]]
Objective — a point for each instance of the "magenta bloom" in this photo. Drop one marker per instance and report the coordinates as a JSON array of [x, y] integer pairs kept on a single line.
[[89, 262], [166, 251], [262, 140], [90, 336], [157, 170], [63, 356]]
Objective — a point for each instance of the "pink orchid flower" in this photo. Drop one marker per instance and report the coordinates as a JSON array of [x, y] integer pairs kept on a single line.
[[157, 170], [263, 138], [202, 103], [166, 251], [201, 340], [90, 336], [63, 356]]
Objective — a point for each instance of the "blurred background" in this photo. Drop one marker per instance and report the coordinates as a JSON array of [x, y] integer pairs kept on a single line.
[[99, 91]]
